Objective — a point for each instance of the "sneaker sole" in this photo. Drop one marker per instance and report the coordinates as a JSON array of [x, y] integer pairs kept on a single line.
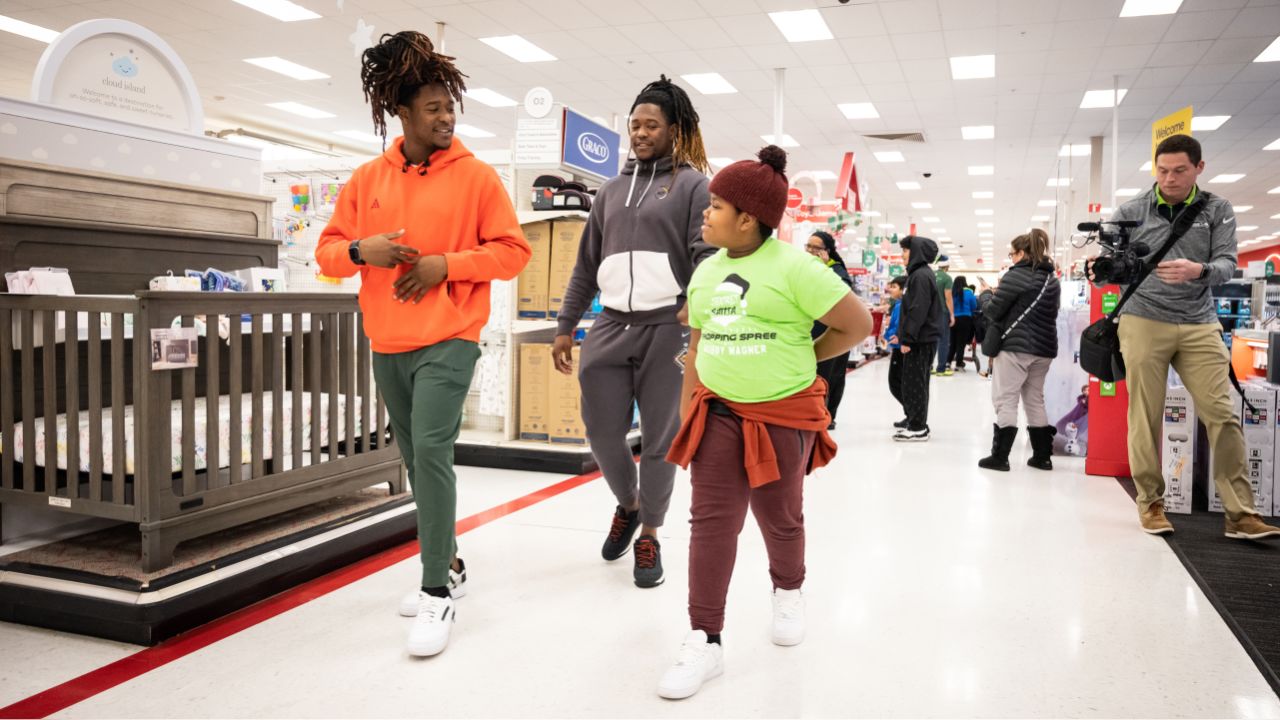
[[1160, 531], [428, 650], [641, 584], [787, 642], [1258, 536], [685, 692], [911, 439]]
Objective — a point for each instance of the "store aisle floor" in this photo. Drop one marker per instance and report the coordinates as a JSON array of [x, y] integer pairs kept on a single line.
[[934, 589]]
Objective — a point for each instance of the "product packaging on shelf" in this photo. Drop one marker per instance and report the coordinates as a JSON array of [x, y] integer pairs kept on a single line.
[[533, 280], [565, 235], [1177, 457], [566, 406], [535, 378], [1259, 446]]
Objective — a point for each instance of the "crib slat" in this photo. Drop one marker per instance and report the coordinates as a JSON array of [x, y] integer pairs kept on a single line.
[[277, 393], [117, 411], [72, 363], [50, 356], [362, 380], [333, 382], [235, 431], [28, 401], [314, 363], [297, 388], [95, 406], [212, 400], [6, 398], [348, 354], [188, 424], [255, 388]]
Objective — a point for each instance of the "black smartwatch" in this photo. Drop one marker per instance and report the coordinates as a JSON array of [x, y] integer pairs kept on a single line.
[[354, 251], [1204, 270]]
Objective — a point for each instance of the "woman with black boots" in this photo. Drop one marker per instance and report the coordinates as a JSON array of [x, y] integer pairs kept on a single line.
[[1022, 338]]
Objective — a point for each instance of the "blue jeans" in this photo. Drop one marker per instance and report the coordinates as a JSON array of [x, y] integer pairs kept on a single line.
[[944, 341]]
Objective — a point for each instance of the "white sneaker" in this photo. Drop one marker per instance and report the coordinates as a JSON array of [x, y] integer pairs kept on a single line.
[[788, 617], [457, 588], [698, 662], [905, 435], [430, 632]]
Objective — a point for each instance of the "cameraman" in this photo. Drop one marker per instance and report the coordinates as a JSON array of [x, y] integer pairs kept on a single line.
[[1170, 320]]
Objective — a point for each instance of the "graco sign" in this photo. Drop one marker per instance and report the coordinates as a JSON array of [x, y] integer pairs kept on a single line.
[[589, 147]]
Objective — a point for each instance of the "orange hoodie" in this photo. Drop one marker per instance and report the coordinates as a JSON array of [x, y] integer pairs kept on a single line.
[[458, 209]]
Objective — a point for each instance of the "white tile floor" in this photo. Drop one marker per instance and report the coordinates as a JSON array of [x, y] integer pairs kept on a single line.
[[935, 589]]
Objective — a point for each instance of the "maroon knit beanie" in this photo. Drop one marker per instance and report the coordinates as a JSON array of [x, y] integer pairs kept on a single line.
[[756, 188]]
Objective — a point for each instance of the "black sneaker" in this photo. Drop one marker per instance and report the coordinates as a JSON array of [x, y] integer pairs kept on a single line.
[[623, 529], [902, 424], [648, 572]]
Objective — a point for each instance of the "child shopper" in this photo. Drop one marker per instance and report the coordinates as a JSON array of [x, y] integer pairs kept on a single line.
[[754, 413], [895, 288]]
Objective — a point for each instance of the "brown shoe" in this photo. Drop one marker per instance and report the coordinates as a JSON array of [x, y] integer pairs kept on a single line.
[[1153, 520], [1250, 527]]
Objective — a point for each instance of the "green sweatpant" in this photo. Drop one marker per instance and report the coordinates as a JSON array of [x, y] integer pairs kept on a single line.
[[424, 391]]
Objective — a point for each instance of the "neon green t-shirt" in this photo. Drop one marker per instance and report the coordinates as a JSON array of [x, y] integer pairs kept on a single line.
[[755, 314]]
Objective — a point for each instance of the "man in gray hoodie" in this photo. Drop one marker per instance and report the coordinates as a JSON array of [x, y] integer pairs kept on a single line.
[[1171, 321], [639, 249]]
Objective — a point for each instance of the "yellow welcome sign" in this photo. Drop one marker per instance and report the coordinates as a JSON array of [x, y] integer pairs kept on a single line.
[[1178, 123]]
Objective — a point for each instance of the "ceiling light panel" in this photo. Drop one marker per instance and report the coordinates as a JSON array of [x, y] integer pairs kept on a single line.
[[983, 194], [301, 110], [859, 111], [517, 48], [1128, 192], [801, 25], [984, 211], [978, 132], [1075, 151], [1047, 203], [282, 10], [890, 156], [1205, 123], [27, 30], [982, 170], [1226, 178], [1100, 98], [973, 67], [1271, 54], [485, 96], [922, 205], [1058, 182], [286, 68], [710, 83], [1138, 8]]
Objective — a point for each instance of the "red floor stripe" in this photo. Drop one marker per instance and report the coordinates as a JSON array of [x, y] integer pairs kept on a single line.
[[79, 689]]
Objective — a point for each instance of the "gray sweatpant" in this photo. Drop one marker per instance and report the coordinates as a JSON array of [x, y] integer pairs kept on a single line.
[[622, 364], [1015, 375]]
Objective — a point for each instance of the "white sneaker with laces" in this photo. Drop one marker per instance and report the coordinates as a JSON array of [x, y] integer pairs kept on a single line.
[[430, 632], [906, 435], [788, 617], [698, 662], [457, 588]]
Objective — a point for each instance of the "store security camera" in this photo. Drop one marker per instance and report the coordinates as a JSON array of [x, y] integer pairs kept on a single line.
[[928, 175]]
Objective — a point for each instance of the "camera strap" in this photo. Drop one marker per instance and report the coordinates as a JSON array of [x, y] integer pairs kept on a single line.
[[1181, 225]]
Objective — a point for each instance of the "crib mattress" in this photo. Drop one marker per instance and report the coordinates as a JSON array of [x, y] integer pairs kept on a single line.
[[200, 435]]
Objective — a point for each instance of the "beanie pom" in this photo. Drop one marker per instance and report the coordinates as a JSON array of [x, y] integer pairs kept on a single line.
[[775, 157]]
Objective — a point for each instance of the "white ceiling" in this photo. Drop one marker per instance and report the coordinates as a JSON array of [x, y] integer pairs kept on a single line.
[[893, 53]]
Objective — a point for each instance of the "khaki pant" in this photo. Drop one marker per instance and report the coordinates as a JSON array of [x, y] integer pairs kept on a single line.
[[1201, 359], [1019, 375]]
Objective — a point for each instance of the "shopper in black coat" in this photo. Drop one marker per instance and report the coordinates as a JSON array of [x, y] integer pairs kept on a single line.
[[920, 324], [823, 246], [1023, 318]]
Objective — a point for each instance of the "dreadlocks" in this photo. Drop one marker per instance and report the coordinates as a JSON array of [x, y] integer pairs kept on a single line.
[[678, 110], [395, 69]]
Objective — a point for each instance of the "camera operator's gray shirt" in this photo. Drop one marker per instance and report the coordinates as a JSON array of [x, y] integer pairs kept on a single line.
[[1210, 240]]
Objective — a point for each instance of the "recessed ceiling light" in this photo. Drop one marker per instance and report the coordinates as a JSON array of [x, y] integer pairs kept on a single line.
[[986, 224], [823, 175], [1274, 191], [279, 9], [1047, 203], [982, 170], [360, 135], [27, 30], [720, 161], [886, 225], [1128, 192], [1247, 228], [986, 235], [909, 185], [1058, 182], [518, 48], [1107, 210], [471, 131], [485, 96], [801, 25], [938, 230], [1039, 218], [1145, 167], [871, 213], [978, 132], [710, 83], [922, 205], [859, 111], [1101, 98], [1226, 178], [931, 219], [1204, 123], [284, 67], [1242, 208], [973, 67], [983, 194], [305, 111], [787, 140], [1271, 54], [890, 156], [1074, 150], [984, 211], [1138, 8]]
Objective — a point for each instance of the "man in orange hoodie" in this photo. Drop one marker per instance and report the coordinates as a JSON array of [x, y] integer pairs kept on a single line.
[[428, 227]]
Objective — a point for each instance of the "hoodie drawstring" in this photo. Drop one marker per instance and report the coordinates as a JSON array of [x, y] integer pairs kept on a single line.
[[652, 174]]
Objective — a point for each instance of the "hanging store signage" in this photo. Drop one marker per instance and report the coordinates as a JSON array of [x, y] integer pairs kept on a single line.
[[538, 140], [1178, 123], [590, 147]]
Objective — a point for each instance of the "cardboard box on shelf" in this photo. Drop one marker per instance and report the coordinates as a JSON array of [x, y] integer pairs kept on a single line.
[[565, 236], [535, 378], [532, 283], [1178, 446], [1259, 446], [566, 406]]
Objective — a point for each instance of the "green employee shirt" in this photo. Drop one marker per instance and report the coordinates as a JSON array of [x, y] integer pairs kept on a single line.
[[755, 314], [945, 283]]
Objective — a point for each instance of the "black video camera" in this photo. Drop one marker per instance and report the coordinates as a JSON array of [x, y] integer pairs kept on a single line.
[[1121, 260]]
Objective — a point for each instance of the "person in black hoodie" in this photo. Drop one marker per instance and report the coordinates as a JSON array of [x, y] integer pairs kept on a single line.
[[638, 250], [919, 326], [823, 246], [1024, 315]]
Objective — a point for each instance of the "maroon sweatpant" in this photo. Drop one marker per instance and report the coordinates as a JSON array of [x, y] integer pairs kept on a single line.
[[721, 495]]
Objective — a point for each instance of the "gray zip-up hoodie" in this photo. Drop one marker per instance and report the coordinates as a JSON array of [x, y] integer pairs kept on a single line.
[[640, 246], [1210, 240]]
